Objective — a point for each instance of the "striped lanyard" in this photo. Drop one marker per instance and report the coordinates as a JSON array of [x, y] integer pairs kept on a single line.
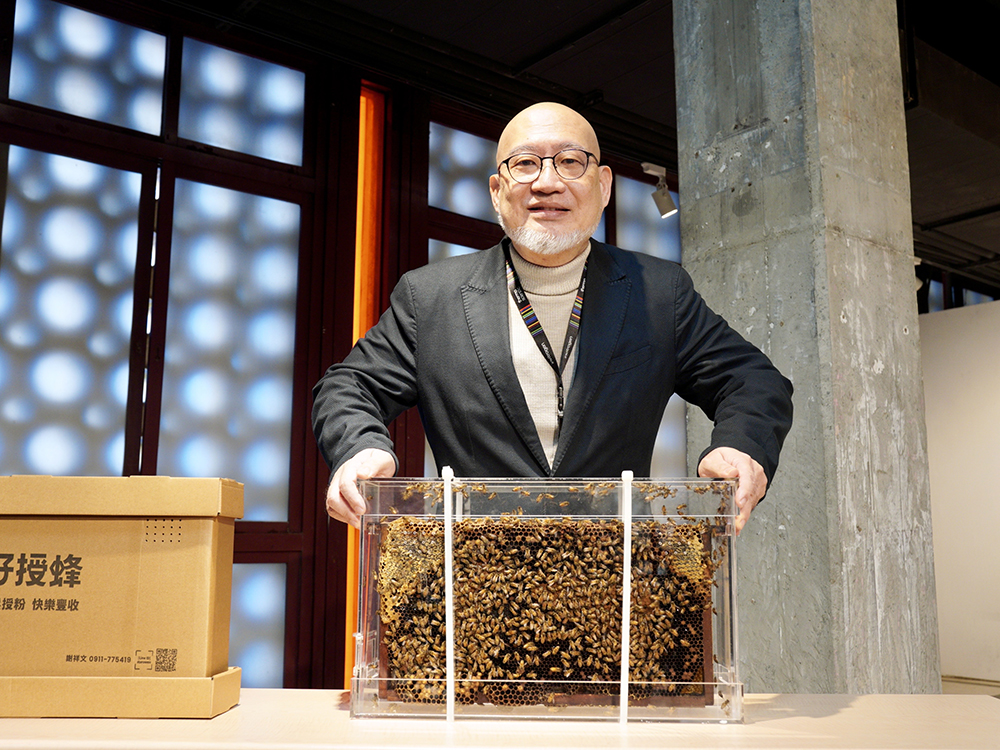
[[535, 328]]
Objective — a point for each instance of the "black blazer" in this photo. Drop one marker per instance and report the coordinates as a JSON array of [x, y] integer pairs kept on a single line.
[[444, 346]]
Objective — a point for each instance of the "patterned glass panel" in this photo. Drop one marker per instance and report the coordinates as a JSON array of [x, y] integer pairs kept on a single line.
[[240, 103], [639, 224], [460, 169], [67, 262], [84, 64], [670, 449], [257, 626], [227, 384], [437, 250]]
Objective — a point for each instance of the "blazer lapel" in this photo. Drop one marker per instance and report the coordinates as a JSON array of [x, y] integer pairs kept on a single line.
[[485, 299], [605, 303]]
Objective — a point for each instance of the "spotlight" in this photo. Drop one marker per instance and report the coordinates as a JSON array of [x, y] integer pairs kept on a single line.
[[661, 196], [664, 203]]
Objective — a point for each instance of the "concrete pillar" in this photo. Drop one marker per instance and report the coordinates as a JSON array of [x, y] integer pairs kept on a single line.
[[795, 224]]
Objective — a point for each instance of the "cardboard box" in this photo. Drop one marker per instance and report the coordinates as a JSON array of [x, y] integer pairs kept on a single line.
[[111, 586], [120, 697]]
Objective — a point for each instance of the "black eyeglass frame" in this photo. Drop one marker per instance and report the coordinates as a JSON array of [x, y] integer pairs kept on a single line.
[[541, 166]]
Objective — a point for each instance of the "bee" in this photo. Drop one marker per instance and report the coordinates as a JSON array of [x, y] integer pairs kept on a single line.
[[564, 504], [682, 508]]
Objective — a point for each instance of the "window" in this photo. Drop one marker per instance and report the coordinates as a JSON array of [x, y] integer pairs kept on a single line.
[[67, 275], [87, 65], [460, 169], [257, 628], [240, 103], [227, 380], [157, 225], [939, 290]]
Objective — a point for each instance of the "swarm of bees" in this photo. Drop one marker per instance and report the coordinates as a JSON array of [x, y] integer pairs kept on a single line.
[[537, 608]]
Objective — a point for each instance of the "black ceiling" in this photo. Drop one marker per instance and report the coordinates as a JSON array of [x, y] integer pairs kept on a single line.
[[613, 59], [618, 53]]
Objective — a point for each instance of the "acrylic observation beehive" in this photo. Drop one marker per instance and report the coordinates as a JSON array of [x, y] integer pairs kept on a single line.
[[505, 598]]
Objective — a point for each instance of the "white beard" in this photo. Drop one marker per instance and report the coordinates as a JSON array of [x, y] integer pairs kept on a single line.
[[540, 242]]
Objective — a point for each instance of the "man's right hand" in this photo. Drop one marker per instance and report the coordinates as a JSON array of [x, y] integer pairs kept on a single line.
[[343, 500]]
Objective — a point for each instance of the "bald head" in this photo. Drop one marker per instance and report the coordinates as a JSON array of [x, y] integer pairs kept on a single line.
[[556, 123]]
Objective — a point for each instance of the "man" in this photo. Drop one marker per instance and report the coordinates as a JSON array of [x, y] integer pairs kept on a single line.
[[549, 354]]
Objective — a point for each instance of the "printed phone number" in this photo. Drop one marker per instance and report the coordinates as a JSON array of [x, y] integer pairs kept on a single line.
[[95, 659]]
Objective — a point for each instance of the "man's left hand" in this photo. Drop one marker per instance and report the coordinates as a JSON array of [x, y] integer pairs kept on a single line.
[[729, 463]]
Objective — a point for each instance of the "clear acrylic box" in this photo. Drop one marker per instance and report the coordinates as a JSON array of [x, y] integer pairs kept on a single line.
[[529, 622]]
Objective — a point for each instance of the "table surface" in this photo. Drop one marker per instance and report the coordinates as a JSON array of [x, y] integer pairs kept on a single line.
[[296, 719]]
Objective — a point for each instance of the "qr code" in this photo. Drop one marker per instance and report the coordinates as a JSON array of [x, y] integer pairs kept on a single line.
[[166, 660]]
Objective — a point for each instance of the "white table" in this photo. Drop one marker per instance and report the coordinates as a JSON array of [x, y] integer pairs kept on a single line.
[[295, 719]]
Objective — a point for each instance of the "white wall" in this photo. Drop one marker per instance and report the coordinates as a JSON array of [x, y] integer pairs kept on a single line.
[[961, 364]]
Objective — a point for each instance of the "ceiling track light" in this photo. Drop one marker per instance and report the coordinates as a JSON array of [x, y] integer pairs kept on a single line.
[[661, 196]]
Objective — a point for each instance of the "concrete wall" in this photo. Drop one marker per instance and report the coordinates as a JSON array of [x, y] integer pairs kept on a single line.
[[795, 225]]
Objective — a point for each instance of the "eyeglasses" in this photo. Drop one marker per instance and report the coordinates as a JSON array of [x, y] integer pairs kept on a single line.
[[570, 164]]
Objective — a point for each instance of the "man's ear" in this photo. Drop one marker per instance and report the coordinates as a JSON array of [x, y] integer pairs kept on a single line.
[[606, 179], [495, 191]]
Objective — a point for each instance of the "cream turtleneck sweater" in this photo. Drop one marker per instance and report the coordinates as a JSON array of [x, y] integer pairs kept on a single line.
[[551, 292]]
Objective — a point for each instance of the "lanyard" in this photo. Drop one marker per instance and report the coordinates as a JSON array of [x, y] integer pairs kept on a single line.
[[535, 328]]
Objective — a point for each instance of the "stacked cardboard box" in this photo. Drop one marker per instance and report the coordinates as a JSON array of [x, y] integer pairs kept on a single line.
[[115, 596]]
